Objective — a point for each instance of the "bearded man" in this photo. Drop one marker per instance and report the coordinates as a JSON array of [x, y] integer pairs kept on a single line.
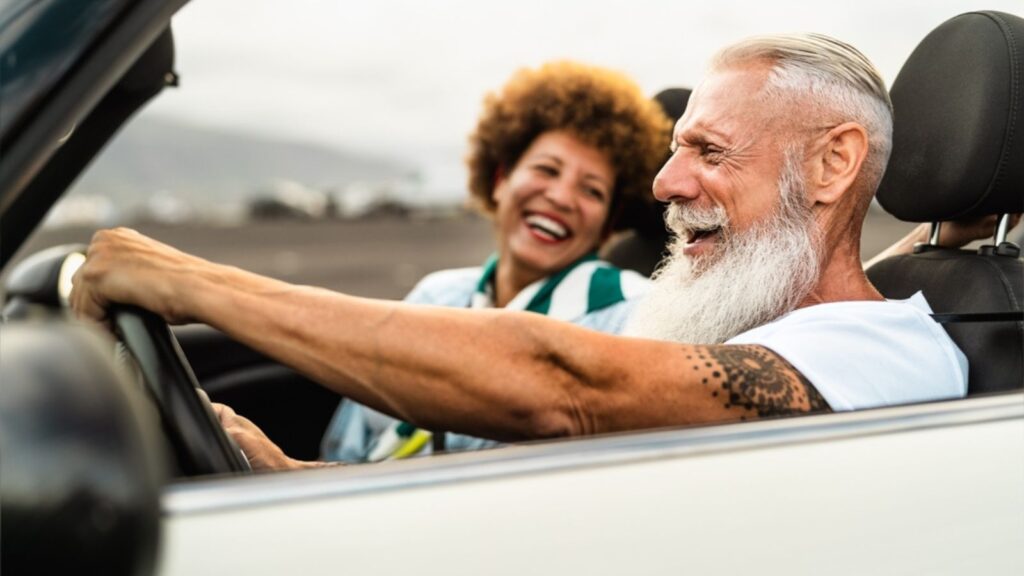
[[762, 309]]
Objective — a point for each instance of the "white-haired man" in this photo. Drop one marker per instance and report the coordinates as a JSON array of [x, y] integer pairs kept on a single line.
[[762, 310]]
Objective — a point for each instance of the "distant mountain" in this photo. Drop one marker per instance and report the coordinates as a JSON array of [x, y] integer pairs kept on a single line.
[[207, 167]]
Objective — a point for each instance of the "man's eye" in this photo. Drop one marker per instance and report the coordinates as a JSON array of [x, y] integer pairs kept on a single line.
[[712, 154]]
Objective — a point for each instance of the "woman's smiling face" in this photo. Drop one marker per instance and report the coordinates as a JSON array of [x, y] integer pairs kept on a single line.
[[553, 205]]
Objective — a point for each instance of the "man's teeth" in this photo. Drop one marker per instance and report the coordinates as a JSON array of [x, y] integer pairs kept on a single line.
[[547, 226], [696, 235]]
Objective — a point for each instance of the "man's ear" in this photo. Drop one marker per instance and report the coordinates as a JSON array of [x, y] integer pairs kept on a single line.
[[839, 162]]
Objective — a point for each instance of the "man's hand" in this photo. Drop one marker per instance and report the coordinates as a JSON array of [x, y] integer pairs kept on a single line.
[[953, 234], [959, 233], [262, 453], [123, 266]]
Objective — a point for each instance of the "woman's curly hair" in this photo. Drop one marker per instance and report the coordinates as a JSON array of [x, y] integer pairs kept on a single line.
[[603, 108]]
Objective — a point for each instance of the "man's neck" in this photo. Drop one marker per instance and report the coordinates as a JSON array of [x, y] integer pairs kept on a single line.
[[842, 278]]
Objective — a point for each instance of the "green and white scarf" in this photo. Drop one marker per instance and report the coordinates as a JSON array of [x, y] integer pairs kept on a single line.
[[584, 286]]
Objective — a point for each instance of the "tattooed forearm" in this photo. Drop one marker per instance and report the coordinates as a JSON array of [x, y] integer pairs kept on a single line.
[[758, 380]]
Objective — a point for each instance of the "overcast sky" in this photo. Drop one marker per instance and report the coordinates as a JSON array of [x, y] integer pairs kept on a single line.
[[405, 77]]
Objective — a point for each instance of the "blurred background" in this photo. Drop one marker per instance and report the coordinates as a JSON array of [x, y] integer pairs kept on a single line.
[[321, 141]]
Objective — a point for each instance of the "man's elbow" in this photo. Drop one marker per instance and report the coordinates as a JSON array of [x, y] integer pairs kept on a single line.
[[549, 406], [549, 423], [562, 414]]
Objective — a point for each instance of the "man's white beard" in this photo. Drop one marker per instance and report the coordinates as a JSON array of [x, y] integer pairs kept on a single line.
[[752, 278]]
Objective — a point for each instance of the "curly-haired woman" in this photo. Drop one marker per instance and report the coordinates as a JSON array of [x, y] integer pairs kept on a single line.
[[556, 155]]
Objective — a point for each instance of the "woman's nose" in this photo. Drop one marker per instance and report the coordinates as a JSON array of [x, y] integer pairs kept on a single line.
[[561, 192]]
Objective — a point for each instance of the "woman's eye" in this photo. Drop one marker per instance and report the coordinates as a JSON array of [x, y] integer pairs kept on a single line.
[[547, 170], [595, 193]]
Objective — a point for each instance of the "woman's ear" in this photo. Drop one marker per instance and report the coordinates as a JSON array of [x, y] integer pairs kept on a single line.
[[839, 162]]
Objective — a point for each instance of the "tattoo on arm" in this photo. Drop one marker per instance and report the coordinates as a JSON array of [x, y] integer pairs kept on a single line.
[[758, 380]]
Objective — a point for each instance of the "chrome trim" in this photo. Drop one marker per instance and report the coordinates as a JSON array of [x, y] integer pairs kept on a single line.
[[933, 236], [67, 272], [66, 137], [213, 495], [1002, 229]]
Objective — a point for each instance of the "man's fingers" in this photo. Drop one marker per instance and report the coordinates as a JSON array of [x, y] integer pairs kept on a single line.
[[126, 267], [225, 414], [84, 304]]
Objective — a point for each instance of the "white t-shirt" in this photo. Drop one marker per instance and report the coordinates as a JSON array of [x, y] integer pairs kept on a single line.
[[867, 354]]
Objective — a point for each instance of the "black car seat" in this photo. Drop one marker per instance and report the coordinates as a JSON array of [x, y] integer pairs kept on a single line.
[[958, 153], [643, 246]]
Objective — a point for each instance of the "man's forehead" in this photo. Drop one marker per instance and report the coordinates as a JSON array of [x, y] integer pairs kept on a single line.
[[724, 101]]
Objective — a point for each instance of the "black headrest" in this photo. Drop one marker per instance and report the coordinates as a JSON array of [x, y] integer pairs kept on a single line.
[[644, 215], [673, 101], [958, 135]]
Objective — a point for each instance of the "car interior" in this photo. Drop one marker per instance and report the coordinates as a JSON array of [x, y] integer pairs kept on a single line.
[[959, 156]]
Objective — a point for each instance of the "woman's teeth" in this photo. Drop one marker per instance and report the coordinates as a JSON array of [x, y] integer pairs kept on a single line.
[[547, 226]]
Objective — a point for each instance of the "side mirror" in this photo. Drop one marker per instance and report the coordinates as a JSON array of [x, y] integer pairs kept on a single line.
[[83, 460]]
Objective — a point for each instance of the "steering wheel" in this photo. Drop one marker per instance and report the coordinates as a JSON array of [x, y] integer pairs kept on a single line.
[[198, 440]]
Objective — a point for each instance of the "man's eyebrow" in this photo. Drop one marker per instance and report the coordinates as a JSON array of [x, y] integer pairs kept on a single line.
[[700, 133]]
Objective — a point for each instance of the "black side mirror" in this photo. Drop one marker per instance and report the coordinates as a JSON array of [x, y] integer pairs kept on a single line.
[[83, 460]]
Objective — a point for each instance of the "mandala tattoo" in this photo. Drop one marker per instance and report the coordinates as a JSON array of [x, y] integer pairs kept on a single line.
[[755, 378]]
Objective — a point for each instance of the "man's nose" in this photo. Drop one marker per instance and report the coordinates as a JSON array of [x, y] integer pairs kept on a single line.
[[677, 180]]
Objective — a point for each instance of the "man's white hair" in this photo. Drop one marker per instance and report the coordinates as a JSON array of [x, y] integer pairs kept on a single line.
[[838, 82]]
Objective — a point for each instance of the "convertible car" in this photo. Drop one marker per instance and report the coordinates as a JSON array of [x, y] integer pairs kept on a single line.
[[113, 464]]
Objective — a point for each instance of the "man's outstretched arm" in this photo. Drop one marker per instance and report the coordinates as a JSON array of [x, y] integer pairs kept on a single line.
[[504, 375]]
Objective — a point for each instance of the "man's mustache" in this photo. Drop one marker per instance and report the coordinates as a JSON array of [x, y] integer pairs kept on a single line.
[[682, 219]]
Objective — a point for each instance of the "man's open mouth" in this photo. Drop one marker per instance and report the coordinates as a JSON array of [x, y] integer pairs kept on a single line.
[[547, 228], [696, 236]]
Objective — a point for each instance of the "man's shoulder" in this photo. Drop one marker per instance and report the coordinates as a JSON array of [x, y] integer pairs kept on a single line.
[[898, 323], [870, 314], [867, 353]]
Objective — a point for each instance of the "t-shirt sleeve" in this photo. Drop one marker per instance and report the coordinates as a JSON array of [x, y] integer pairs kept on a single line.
[[867, 356]]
